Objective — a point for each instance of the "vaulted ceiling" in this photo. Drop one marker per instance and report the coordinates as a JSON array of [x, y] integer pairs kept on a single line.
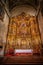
[[12, 3]]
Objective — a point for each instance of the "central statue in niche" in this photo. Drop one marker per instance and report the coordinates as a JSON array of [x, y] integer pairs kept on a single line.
[[23, 32]]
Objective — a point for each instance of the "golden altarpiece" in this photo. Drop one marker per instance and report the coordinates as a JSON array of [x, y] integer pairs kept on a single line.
[[23, 32]]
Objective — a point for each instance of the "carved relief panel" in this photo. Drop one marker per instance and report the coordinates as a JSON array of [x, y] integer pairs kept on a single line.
[[23, 32]]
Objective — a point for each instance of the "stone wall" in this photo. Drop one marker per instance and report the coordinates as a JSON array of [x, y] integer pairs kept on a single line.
[[40, 21], [3, 31]]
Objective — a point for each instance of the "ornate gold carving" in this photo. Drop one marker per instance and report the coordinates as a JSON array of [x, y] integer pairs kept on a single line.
[[23, 32]]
